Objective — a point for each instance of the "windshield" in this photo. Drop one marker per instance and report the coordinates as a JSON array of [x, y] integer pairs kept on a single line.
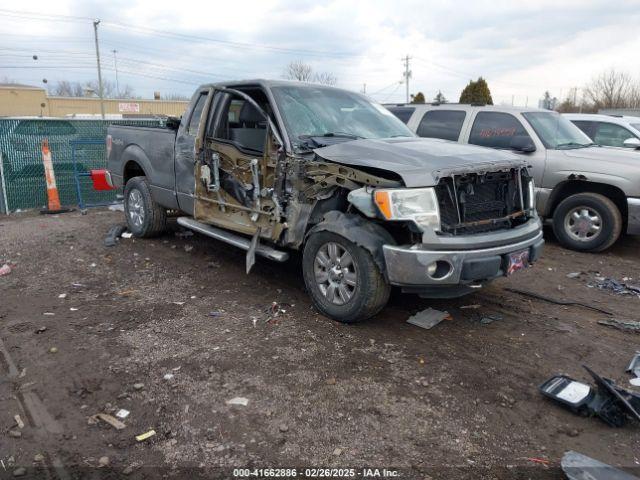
[[556, 132], [310, 111]]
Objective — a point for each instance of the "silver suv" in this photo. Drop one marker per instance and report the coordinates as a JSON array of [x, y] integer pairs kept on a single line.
[[609, 130], [591, 194]]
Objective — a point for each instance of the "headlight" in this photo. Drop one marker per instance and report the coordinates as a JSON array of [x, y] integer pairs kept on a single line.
[[417, 204], [532, 195]]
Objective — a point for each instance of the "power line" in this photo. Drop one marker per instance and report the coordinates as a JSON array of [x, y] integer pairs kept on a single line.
[[183, 36]]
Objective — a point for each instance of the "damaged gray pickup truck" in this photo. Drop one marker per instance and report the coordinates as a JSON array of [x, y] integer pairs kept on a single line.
[[271, 166]]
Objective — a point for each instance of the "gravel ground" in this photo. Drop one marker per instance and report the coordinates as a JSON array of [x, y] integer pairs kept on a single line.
[[172, 329]]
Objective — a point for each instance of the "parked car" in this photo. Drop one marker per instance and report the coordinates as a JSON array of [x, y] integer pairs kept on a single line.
[[589, 193], [271, 165], [609, 130]]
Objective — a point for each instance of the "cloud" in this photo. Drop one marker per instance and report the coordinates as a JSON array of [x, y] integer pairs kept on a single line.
[[522, 48]]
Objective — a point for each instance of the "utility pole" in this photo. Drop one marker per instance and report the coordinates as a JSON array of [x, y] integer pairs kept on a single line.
[[115, 64], [100, 90], [406, 75]]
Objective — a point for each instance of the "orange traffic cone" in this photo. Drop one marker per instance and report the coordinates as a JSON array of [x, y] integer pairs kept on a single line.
[[52, 190]]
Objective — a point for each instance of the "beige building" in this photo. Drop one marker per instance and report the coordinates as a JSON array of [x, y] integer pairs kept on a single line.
[[23, 100]]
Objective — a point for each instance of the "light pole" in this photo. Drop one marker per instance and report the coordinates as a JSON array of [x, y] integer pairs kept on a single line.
[[115, 64], [100, 90]]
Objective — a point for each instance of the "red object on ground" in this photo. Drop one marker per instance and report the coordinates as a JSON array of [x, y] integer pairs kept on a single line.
[[99, 178]]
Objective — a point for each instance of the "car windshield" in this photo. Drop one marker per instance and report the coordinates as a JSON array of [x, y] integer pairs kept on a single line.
[[311, 112], [556, 132]]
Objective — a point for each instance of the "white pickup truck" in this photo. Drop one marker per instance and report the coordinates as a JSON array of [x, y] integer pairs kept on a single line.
[[591, 194]]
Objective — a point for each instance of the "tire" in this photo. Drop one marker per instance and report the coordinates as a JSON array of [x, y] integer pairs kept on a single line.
[[145, 218], [587, 222], [359, 289]]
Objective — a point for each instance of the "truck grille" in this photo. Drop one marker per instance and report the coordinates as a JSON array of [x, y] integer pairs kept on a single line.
[[476, 203]]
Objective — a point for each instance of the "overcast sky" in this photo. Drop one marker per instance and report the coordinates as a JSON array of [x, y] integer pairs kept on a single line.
[[522, 48]]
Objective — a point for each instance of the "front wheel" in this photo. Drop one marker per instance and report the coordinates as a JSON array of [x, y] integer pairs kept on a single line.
[[343, 280], [587, 222]]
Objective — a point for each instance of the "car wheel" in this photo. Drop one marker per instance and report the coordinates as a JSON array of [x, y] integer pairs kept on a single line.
[[344, 282], [587, 222], [145, 218]]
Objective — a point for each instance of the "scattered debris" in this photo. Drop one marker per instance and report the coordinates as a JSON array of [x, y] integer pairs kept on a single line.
[[103, 462], [15, 433], [138, 386], [607, 401], [337, 451], [53, 350], [276, 309], [38, 457], [178, 303], [471, 307], [113, 235], [20, 472], [215, 314], [580, 467], [126, 235], [635, 382], [117, 207], [122, 413], [62, 295], [41, 329], [538, 460], [19, 421], [114, 422], [188, 248], [574, 274], [5, 270], [242, 401], [487, 319], [168, 376], [557, 302], [283, 427], [49, 314], [627, 325], [144, 436], [619, 288], [634, 365], [428, 318]]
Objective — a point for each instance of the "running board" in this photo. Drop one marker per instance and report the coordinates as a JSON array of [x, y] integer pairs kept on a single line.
[[232, 239]]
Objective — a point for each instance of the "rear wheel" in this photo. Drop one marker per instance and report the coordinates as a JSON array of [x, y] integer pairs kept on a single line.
[[343, 280], [145, 218], [588, 222]]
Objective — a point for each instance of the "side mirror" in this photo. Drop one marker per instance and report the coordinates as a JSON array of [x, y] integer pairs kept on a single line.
[[632, 142], [522, 143]]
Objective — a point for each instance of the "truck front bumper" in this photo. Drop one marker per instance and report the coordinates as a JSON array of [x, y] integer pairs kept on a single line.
[[460, 270], [633, 219]]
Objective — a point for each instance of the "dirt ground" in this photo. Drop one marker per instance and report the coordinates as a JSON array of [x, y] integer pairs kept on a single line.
[[171, 329]]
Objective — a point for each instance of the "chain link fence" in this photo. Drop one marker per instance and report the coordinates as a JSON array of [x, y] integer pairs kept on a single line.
[[23, 185]]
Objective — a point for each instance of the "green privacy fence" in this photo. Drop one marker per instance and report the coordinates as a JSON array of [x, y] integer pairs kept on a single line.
[[23, 184]]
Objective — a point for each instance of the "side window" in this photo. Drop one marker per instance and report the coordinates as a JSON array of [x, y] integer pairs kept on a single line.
[[194, 121], [403, 113], [445, 124], [243, 125], [611, 135], [589, 128], [495, 130]]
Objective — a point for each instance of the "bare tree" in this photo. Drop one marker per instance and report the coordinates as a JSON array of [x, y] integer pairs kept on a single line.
[[175, 96], [303, 72], [65, 88], [298, 70], [612, 89]]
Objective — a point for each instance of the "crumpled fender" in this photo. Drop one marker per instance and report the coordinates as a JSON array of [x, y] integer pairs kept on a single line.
[[358, 230]]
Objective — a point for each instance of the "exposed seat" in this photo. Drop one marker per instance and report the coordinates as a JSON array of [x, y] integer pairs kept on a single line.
[[252, 131]]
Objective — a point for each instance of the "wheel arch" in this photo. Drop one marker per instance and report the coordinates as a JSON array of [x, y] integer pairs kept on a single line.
[[571, 187], [357, 230], [137, 163]]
